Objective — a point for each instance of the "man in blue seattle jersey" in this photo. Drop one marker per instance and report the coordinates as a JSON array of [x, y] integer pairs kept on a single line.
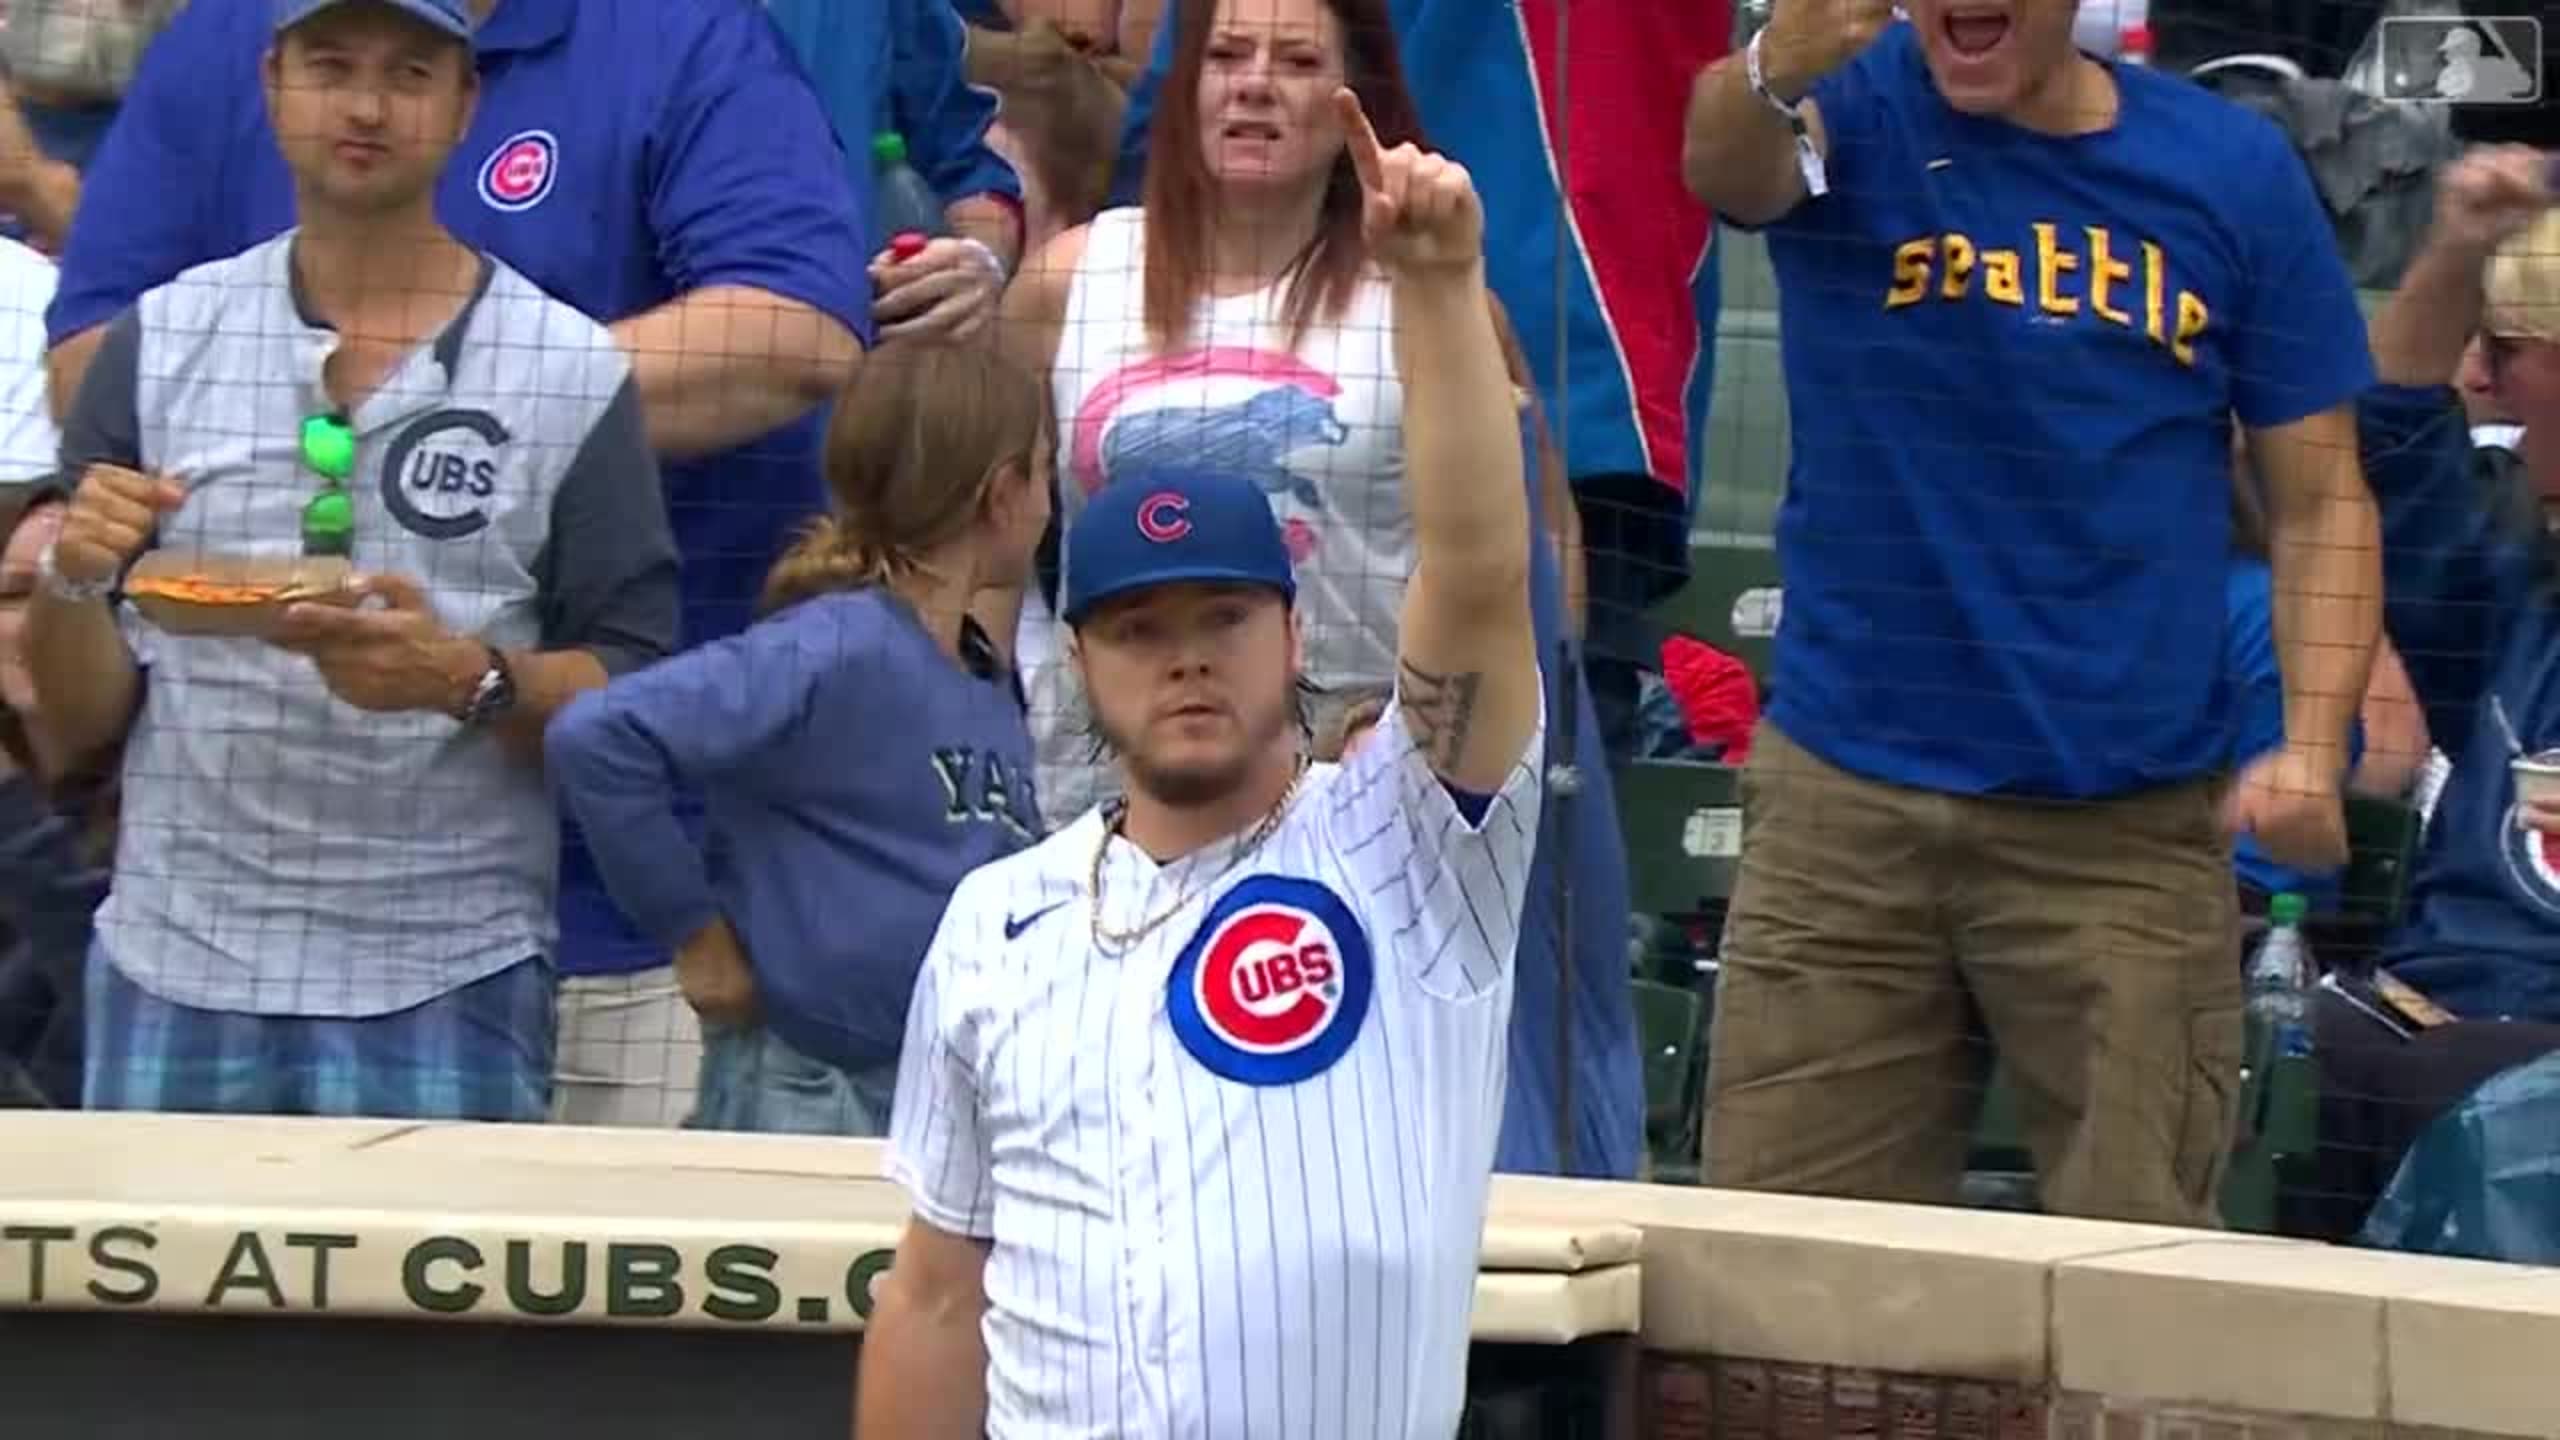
[[2023, 295], [663, 167]]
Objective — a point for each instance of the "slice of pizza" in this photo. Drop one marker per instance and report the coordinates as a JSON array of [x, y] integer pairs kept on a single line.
[[232, 595], [216, 593]]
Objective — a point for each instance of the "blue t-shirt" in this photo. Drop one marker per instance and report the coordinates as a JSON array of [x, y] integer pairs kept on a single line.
[[2257, 722], [2012, 361], [839, 827], [621, 155]]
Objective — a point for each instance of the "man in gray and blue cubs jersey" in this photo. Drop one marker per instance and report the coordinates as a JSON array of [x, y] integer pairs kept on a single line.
[[664, 168], [334, 884]]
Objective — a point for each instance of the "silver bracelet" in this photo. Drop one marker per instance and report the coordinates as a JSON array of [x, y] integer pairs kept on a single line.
[[62, 587], [1808, 159]]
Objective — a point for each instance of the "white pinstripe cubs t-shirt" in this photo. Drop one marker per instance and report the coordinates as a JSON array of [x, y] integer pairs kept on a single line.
[[1235, 1176]]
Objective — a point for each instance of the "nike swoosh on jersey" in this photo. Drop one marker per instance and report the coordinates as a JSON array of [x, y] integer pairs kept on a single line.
[[1015, 925]]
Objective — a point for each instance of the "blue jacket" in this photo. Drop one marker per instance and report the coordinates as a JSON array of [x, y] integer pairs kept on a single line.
[[839, 825], [2473, 602], [899, 65]]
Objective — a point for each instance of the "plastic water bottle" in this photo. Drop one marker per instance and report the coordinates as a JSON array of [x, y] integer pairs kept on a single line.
[[904, 207], [2280, 979]]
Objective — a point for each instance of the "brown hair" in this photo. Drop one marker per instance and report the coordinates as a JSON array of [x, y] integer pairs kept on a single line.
[[1358, 709], [1181, 194], [917, 440], [1060, 106]]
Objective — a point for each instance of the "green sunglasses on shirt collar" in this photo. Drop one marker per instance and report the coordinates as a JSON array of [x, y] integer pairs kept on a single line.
[[329, 521]]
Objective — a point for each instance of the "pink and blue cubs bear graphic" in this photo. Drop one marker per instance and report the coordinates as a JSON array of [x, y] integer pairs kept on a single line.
[[1269, 406], [1275, 985]]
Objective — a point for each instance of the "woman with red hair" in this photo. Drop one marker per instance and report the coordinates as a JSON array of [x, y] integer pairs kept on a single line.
[[1235, 320]]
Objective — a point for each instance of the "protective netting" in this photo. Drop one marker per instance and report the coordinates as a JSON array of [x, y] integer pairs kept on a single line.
[[539, 562]]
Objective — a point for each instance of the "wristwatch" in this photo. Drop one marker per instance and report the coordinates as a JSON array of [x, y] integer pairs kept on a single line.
[[493, 695], [65, 588], [1808, 159]]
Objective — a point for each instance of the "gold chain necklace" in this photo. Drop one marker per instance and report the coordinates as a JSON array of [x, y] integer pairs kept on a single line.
[[1107, 938]]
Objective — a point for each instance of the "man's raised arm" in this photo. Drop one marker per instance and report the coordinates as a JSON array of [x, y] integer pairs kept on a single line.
[[1467, 681], [1738, 152]]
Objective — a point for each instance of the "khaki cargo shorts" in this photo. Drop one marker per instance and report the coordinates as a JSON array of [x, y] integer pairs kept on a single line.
[[1874, 926]]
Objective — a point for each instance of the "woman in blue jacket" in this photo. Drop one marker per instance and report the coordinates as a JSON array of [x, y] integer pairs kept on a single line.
[[2472, 593], [860, 749]]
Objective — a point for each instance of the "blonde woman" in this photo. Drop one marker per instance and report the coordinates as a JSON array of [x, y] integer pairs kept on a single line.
[[861, 748]]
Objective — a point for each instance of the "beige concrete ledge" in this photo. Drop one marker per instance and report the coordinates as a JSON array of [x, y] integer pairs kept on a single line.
[[1521, 1307], [2143, 1315], [554, 1225], [779, 1230], [2483, 1354], [1899, 1289]]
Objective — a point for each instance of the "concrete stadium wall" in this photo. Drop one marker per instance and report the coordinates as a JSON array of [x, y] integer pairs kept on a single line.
[[1757, 1316], [1793, 1317]]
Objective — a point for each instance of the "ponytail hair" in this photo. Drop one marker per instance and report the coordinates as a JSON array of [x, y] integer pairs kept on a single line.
[[917, 440], [828, 556]]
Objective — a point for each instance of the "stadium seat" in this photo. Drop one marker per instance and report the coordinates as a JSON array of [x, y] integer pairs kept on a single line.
[[2382, 840], [2279, 1120], [2000, 1171], [1669, 1023], [1683, 825], [1670, 1028], [1731, 601]]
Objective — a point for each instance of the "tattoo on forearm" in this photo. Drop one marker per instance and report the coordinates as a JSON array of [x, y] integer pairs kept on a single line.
[[1441, 711]]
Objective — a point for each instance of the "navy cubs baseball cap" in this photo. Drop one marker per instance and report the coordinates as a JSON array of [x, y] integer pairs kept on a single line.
[[448, 16], [1171, 527]]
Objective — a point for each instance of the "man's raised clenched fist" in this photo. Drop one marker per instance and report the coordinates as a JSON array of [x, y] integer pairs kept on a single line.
[[1808, 39]]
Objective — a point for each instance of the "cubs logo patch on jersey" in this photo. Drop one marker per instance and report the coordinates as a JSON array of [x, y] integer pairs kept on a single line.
[[1273, 988], [519, 173]]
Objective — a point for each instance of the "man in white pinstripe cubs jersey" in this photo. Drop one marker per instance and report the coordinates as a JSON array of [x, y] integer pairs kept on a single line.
[[1199, 1097]]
